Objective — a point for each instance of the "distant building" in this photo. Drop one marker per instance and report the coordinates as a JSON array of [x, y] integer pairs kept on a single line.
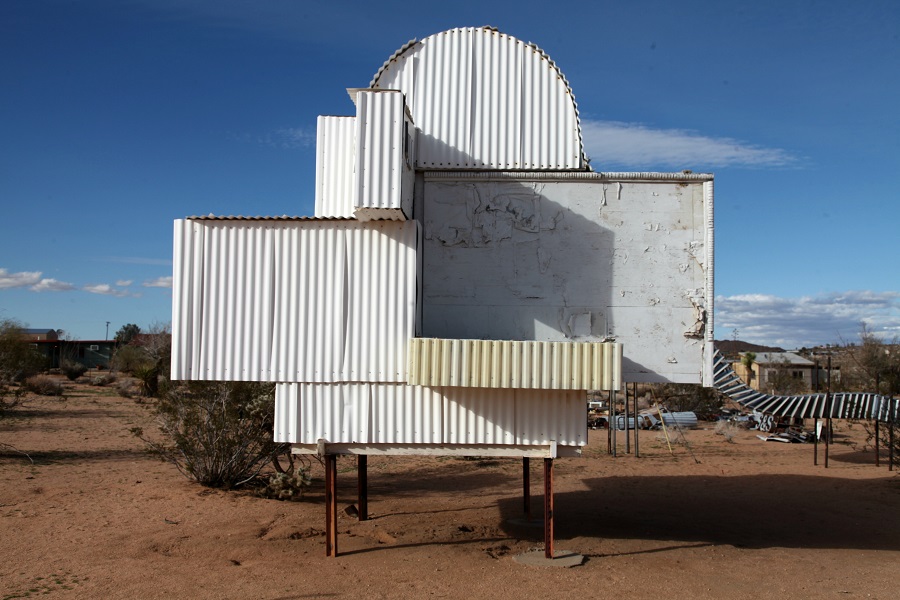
[[94, 354], [770, 369], [40, 334]]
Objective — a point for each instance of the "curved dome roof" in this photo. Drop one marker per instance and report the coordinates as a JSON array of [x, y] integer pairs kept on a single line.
[[482, 99]]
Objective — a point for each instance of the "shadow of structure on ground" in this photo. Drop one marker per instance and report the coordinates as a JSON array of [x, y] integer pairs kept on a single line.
[[757, 511]]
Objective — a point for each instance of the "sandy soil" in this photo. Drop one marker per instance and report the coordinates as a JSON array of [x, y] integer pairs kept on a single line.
[[96, 517]]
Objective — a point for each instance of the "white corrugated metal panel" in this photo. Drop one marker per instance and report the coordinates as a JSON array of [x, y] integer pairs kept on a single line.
[[381, 301], [483, 99], [335, 142], [384, 176], [544, 416], [293, 301], [402, 414], [479, 416], [515, 364], [287, 412], [335, 412]]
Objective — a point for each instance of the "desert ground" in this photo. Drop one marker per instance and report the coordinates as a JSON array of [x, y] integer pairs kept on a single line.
[[94, 516]]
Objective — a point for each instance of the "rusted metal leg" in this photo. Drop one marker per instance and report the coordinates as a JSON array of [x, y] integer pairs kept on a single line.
[[362, 480], [526, 486], [877, 449], [637, 451], [330, 505], [548, 507]]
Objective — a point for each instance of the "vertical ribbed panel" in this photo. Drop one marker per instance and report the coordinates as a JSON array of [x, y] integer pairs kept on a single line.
[[235, 305], [515, 364], [293, 301], [335, 142], [479, 416], [309, 319], [544, 416], [402, 414], [287, 412], [334, 412], [497, 100], [381, 165], [483, 99], [381, 302]]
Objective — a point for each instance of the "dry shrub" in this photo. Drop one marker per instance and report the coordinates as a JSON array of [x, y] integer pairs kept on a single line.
[[43, 385], [104, 380], [216, 433], [72, 370], [726, 429]]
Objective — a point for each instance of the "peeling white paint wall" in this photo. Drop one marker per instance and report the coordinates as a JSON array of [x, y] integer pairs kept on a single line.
[[581, 260]]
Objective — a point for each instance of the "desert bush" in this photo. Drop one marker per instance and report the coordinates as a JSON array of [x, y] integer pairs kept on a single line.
[[44, 385], [287, 485], [125, 388], [103, 380], [10, 397], [128, 358], [18, 360], [726, 429], [72, 370], [216, 433]]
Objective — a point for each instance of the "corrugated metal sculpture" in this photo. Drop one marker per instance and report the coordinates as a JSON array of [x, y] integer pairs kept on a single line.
[[839, 405], [466, 277]]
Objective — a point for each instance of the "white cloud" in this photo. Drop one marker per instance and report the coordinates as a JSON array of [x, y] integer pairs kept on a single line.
[[124, 282], [136, 260], [160, 282], [51, 285], [636, 146], [289, 137], [106, 290], [21, 279], [810, 320]]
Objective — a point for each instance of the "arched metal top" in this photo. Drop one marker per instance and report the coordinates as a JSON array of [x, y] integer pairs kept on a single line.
[[481, 99]]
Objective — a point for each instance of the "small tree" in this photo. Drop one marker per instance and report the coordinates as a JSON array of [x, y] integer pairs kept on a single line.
[[18, 360], [216, 433], [126, 333], [747, 359]]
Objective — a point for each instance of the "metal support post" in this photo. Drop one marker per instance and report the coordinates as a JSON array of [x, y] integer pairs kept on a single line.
[[637, 452], [362, 481], [627, 433], [877, 391], [526, 487], [548, 507], [828, 412], [331, 505], [891, 435], [612, 424]]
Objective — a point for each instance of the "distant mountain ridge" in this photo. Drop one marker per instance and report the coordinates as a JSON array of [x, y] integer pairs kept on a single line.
[[732, 348]]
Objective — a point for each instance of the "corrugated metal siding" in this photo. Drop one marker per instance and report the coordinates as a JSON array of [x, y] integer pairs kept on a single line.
[[840, 405], [543, 416], [335, 142], [400, 414], [483, 99], [515, 364], [293, 301], [379, 150]]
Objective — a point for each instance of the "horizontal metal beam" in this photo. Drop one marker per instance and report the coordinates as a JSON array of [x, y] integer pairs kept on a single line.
[[511, 451]]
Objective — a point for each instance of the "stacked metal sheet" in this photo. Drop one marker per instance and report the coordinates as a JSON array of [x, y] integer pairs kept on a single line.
[[840, 405]]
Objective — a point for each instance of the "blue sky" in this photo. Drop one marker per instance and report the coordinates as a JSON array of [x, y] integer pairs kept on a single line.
[[117, 117]]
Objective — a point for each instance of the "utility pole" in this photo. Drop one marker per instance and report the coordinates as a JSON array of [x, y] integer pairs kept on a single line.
[[107, 331]]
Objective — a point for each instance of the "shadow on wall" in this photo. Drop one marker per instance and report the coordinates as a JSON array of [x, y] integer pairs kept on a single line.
[[504, 261]]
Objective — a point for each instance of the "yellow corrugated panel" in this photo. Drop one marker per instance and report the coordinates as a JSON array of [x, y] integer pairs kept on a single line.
[[515, 364]]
